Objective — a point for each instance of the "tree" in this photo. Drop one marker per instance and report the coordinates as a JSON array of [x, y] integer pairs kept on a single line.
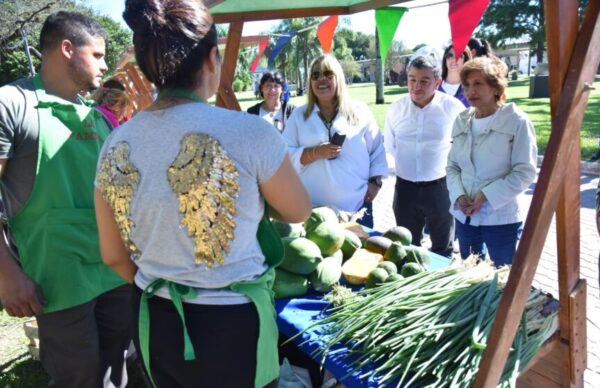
[[507, 20], [28, 16]]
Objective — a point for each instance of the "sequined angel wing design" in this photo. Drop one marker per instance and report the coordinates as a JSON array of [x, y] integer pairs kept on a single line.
[[118, 180], [206, 183]]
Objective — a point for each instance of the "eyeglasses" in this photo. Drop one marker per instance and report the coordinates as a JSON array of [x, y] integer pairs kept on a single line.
[[316, 75]]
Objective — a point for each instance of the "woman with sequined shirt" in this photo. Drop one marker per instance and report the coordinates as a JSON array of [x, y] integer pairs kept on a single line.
[[335, 143], [179, 201]]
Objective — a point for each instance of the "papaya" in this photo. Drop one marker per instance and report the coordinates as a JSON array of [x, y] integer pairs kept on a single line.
[[319, 215], [410, 269], [327, 273], [338, 256], [400, 234], [288, 285], [357, 268], [417, 255], [301, 255], [389, 267], [378, 244], [351, 243], [376, 277], [328, 236], [394, 277], [396, 253], [288, 230]]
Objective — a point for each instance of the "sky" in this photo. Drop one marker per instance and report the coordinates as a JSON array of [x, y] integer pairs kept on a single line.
[[421, 24]]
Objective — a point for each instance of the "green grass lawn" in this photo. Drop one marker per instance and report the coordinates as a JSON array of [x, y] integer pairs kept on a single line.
[[538, 110]]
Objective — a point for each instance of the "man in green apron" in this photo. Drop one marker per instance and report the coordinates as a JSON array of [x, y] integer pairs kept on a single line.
[[49, 145]]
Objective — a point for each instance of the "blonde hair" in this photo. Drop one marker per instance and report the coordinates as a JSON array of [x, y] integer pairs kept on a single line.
[[114, 98], [494, 71], [344, 102]]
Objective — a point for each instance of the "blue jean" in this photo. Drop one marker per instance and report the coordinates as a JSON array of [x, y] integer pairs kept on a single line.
[[367, 218], [499, 240]]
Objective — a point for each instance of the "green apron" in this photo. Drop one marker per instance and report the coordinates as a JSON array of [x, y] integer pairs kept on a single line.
[[55, 231], [259, 291]]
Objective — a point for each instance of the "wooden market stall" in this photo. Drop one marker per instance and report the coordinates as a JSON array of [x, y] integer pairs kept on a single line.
[[574, 56]]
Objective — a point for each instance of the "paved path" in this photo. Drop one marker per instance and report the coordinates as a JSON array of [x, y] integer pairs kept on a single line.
[[546, 277]]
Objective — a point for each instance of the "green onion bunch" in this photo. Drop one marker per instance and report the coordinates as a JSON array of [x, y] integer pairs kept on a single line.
[[431, 329]]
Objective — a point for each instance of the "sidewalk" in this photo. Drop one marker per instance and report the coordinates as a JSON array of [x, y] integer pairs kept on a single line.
[[546, 277]]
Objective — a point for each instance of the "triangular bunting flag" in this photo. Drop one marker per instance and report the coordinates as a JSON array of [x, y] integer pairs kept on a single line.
[[261, 48], [325, 32], [282, 41], [464, 16], [387, 21]]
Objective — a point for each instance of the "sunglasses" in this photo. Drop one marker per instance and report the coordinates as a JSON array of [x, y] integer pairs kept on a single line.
[[316, 75]]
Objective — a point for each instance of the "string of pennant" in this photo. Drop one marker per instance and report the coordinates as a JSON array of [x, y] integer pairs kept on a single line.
[[462, 14]]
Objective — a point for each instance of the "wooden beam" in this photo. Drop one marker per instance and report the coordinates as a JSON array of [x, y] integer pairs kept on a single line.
[[562, 22], [374, 4], [565, 123], [302, 12], [226, 97], [578, 333]]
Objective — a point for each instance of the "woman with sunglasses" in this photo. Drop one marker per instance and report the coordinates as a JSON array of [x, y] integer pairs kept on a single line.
[[451, 67], [335, 143], [274, 109], [180, 201]]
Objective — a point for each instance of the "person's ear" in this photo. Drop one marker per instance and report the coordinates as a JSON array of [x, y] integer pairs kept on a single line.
[[67, 48], [438, 82], [214, 60]]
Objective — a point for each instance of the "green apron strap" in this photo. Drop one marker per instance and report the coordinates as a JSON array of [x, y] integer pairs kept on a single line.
[[177, 292]]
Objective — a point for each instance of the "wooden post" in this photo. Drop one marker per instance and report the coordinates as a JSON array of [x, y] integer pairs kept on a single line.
[[226, 97], [566, 123]]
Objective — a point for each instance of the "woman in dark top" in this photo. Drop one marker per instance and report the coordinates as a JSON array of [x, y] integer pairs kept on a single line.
[[451, 67], [272, 108]]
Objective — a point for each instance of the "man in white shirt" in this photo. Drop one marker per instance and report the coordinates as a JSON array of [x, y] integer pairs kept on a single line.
[[418, 129]]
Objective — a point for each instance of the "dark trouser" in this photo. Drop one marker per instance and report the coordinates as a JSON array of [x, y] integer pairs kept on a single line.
[[86, 345], [417, 204], [224, 339], [499, 240], [367, 218]]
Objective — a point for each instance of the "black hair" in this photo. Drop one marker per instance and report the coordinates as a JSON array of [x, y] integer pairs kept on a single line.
[[466, 56], [74, 26], [270, 76], [482, 47], [172, 39]]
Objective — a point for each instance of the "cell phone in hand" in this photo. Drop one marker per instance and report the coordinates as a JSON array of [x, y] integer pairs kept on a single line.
[[338, 139]]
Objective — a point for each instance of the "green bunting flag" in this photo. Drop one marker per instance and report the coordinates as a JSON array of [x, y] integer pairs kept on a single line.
[[387, 21]]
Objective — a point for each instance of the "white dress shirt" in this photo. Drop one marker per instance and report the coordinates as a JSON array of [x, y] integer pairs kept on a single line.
[[339, 182], [419, 138]]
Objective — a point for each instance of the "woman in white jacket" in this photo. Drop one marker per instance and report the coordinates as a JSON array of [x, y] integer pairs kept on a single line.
[[491, 162]]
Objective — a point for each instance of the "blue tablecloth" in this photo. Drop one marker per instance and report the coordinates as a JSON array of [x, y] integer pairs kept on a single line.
[[296, 314]]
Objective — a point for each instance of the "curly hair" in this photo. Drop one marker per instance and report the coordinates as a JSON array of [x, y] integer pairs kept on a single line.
[[494, 71]]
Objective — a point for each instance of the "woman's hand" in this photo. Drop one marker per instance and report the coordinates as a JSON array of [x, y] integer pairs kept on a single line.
[[464, 204], [327, 151], [372, 190], [477, 202]]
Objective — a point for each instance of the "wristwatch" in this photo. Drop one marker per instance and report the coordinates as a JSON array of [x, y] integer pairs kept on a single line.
[[376, 180]]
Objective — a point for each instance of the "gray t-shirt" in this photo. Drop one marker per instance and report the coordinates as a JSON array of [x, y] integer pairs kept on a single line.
[[19, 130], [166, 247]]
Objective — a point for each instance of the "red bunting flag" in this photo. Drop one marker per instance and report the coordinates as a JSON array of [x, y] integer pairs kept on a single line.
[[261, 48], [464, 16], [325, 32]]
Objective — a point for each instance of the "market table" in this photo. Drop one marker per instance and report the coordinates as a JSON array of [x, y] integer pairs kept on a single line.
[[296, 314]]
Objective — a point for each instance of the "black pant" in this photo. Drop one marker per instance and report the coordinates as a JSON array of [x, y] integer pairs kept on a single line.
[[419, 204], [79, 345], [224, 339]]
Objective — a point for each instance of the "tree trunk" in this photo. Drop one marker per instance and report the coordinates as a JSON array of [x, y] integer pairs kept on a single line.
[[539, 51], [305, 58], [378, 73]]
